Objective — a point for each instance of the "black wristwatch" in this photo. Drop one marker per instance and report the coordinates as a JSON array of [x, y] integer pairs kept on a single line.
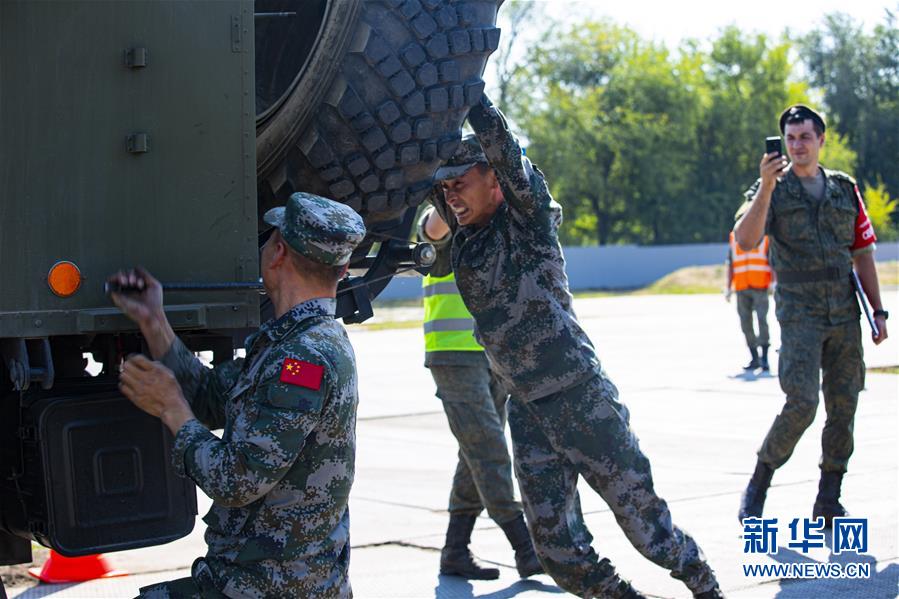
[[883, 313]]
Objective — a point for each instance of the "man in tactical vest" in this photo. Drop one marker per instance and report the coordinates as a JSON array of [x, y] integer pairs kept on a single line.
[[564, 413], [749, 274], [816, 221], [474, 401], [280, 476]]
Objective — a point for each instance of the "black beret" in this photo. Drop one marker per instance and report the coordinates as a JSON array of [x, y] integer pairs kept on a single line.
[[801, 112]]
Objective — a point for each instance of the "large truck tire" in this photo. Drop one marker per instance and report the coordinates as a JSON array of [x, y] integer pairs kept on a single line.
[[377, 100]]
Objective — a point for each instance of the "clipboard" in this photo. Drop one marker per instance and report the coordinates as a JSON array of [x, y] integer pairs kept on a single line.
[[863, 300]]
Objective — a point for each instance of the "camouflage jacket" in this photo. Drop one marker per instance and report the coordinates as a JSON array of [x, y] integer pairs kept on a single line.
[[280, 476], [811, 236], [511, 274]]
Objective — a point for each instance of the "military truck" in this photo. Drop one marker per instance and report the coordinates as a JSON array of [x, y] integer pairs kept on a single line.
[[157, 132]]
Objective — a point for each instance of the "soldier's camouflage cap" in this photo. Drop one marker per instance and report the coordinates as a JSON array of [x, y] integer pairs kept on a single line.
[[467, 155], [800, 112], [321, 229]]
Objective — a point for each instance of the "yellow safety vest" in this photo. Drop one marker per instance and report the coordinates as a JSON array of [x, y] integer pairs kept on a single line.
[[448, 324]]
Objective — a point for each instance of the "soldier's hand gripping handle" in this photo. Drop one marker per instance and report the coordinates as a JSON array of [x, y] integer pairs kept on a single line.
[[136, 293]]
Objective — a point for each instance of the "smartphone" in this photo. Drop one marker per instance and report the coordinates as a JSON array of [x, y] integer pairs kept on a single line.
[[772, 145]]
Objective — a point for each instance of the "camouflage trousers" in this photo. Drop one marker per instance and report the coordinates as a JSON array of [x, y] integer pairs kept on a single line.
[[475, 406], [199, 585], [584, 431], [749, 302], [807, 350]]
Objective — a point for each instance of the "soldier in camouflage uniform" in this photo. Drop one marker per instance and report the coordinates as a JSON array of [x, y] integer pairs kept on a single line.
[[280, 476], [474, 401], [565, 416], [815, 219]]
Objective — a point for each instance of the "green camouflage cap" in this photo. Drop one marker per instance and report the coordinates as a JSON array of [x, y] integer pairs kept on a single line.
[[321, 229], [468, 155]]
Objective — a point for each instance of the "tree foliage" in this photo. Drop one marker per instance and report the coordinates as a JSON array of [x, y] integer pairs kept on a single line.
[[859, 76], [644, 145]]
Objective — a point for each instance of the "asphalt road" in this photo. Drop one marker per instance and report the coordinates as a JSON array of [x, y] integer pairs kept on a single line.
[[677, 363]]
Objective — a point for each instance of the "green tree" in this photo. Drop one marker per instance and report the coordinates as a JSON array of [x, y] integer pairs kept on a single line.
[[646, 146], [836, 153], [882, 210], [859, 76], [748, 82], [612, 124]]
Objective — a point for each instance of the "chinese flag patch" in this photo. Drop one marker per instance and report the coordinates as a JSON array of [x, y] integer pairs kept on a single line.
[[302, 374]]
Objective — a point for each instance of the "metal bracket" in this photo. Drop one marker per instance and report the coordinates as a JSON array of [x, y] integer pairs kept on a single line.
[[236, 37], [136, 58], [138, 143], [28, 360], [354, 307]]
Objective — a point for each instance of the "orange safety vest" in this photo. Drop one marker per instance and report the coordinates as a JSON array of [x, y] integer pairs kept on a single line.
[[751, 269]]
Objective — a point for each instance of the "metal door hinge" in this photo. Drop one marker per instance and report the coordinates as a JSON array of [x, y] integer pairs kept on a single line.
[[136, 58]]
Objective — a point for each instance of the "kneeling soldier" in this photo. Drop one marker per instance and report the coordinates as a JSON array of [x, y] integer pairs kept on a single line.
[[280, 476]]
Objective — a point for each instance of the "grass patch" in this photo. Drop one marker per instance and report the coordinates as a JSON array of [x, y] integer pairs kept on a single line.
[[692, 279], [884, 370], [689, 280], [389, 324]]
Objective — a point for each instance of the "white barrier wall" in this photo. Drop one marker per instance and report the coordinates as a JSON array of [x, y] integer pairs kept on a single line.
[[622, 266]]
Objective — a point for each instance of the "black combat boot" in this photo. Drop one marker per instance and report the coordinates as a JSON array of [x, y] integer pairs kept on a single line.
[[455, 557], [714, 593], [754, 363], [763, 361], [624, 590], [526, 561], [753, 501], [827, 504]]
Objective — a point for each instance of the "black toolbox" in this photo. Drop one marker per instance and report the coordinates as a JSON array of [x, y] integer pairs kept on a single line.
[[95, 474]]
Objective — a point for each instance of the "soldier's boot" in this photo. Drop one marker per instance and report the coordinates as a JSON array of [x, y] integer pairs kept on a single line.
[[754, 363], [455, 557], [624, 590], [714, 593], [526, 561], [763, 360], [753, 501], [827, 504]]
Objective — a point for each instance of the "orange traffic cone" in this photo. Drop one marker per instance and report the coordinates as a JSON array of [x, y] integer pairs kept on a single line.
[[59, 569]]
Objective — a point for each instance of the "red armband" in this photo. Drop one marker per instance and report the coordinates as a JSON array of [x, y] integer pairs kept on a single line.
[[864, 230]]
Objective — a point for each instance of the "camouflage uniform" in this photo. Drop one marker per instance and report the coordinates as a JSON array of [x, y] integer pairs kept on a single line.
[[280, 476], [474, 401], [818, 314], [565, 416], [749, 302]]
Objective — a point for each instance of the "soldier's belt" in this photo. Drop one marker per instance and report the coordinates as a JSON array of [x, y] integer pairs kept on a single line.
[[831, 273]]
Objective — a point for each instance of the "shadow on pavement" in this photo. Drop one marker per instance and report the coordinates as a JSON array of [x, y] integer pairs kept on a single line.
[[750, 375], [44, 590], [454, 587], [880, 585]]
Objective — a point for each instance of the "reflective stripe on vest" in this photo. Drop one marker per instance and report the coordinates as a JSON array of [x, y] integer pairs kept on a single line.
[[751, 269], [448, 325]]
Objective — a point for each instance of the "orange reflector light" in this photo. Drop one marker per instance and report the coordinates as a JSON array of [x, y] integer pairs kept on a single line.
[[64, 278]]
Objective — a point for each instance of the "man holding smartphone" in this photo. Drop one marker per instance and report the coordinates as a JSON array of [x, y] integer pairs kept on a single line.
[[818, 229]]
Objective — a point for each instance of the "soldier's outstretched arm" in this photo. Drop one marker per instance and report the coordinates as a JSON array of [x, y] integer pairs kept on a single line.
[[239, 471], [526, 186]]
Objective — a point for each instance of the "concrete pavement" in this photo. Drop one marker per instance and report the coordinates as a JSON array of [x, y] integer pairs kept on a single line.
[[676, 361]]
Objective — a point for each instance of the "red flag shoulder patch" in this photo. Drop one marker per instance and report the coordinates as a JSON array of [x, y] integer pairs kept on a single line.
[[302, 374]]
